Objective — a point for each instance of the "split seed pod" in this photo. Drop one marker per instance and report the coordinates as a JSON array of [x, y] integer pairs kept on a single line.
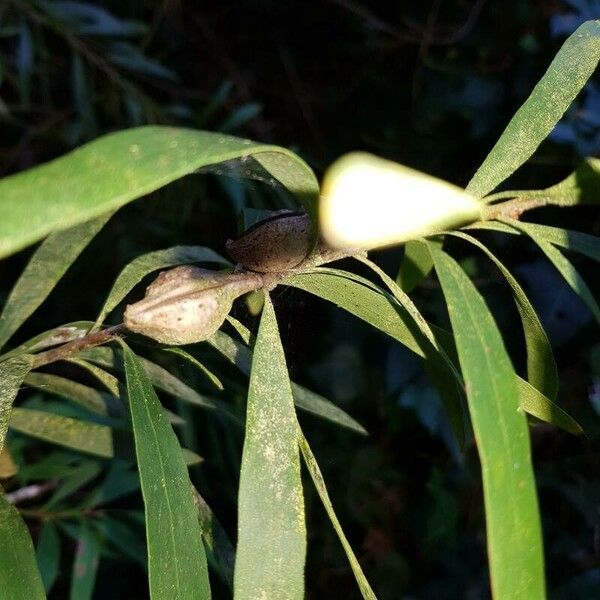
[[278, 243], [187, 304]]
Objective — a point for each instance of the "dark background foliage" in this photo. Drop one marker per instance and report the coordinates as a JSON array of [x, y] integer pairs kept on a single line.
[[430, 84]]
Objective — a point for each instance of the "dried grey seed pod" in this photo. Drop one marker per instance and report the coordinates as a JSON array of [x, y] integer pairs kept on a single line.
[[278, 243], [187, 304]]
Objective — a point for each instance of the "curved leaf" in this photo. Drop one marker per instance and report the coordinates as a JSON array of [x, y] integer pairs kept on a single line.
[[177, 567], [44, 270], [12, 373], [533, 122], [541, 367], [143, 265], [198, 365], [117, 168], [512, 516], [271, 530], [315, 472], [19, 575]]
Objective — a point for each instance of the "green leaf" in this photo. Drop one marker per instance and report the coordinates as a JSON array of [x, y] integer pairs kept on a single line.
[[219, 550], [48, 554], [533, 122], [64, 431], [120, 167], [536, 404], [241, 356], [52, 337], [176, 558], [575, 241], [580, 187], [198, 365], [81, 475], [145, 264], [415, 266], [563, 266], [271, 546], [513, 523], [315, 472], [85, 564], [45, 269], [541, 367], [19, 575], [12, 374], [83, 395]]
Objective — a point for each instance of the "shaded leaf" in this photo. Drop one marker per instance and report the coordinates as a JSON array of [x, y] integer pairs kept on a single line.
[[271, 529], [12, 373], [19, 575], [44, 270], [415, 266], [141, 266], [315, 472], [120, 167], [85, 563], [567, 74], [208, 374], [48, 554], [176, 558], [514, 539]]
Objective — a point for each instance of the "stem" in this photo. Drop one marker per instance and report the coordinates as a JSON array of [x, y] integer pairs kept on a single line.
[[513, 209], [66, 350]]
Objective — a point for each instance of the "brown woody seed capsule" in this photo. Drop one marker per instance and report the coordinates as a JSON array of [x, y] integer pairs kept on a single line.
[[279, 243], [187, 304]]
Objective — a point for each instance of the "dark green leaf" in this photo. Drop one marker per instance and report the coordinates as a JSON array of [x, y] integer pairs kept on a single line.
[[85, 564], [271, 529], [48, 554], [19, 575], [198, 365], [12, 373], [513, 524], [45, 269], [554, 93], [120, 167], [176, 558]]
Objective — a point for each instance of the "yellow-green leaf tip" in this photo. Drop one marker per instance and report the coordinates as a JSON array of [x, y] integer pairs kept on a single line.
[[368, 202]]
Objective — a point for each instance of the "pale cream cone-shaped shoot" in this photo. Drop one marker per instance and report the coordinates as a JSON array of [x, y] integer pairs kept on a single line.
[[369, 202]]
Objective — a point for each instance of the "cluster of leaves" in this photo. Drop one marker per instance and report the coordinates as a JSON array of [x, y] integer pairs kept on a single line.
[[117, 419]]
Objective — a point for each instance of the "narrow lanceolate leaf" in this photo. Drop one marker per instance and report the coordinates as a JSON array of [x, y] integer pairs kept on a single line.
[[46, 267], [123, 166], [19, 575], [514, 537], [192, 360], [48, 554], [176, 559], [415, 266], [580, 187], [64, 431], [271, 529], [564, 267], [575, 241], [143, 265], [554, 93], [241, 356], [85, 563], [536, 404], [541, 368], [317, 477], [12, 373], [52, 337]]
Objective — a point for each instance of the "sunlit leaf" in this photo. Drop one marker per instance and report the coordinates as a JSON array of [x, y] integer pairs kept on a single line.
[[271, 528], [541, 368], [415, 266], [141, 266], [317, 477], [19, 575], [12, 373], [532, 123], [176, 558], [120, 167], [514, 540], [44, 270]]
